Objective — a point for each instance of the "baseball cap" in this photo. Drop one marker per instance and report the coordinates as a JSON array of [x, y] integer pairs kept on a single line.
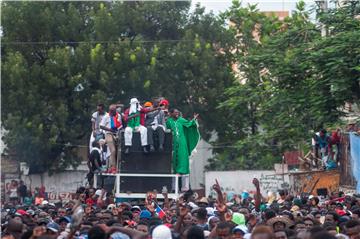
[[53, 226], [145, 214], [161, 232], [135, 208], [119, 235]]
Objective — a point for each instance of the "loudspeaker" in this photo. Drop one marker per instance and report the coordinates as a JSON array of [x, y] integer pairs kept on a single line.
[[135, 184], [138, 162], [136, 142], [144, 184], [153, 162]]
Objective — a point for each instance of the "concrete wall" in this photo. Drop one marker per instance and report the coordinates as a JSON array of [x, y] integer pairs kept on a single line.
[[198, 161], [64, 182], [237, 181]]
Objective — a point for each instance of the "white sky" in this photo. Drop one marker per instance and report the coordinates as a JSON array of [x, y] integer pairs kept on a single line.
[[265, 5]]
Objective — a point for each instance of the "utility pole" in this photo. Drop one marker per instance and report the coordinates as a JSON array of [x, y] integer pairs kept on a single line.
[[323, 7]]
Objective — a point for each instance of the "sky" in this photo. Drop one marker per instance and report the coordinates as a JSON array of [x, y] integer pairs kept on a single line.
[[265, 5]]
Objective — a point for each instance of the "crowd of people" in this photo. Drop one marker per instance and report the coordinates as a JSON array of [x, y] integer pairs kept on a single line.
[[96, 214], [326, 146], [150, 119]]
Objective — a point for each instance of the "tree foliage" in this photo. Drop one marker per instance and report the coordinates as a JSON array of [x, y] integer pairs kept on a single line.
[[61, 58], [294, 81]]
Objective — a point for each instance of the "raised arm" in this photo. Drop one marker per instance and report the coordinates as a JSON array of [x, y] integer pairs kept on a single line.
[[258, 194], [183, 212]]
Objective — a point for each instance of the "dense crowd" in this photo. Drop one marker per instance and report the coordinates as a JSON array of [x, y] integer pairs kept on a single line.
[[96, 214]]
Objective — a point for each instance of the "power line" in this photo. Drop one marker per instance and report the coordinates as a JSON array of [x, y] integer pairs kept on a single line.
[[90, 42]]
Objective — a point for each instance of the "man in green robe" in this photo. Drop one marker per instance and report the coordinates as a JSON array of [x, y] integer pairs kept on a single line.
[[185, 138]]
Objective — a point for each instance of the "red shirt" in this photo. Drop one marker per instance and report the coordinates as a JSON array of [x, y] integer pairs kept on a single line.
[[90, 202], [143, 112]]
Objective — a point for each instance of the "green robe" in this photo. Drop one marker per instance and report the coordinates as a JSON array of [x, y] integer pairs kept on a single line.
[[185, 138]]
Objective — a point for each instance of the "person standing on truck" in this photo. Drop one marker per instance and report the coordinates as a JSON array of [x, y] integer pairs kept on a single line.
[[111, 124], [96, 119], [185, 138]]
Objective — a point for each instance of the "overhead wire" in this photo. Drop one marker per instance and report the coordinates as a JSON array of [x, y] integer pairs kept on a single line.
[[90, 42]]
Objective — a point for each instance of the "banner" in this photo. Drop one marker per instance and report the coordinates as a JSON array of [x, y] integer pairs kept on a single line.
[[355, 158]]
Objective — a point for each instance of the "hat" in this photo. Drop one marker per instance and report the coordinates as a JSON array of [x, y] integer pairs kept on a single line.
[[210, 211], [31, 212], [21, 212], [43, 221], [119, 235], [271, 197], [263, 207], [203, 200], [145, 214], [110, 207], [295, 208], [66, 219], [44, 202], [136, 208], [98, 192], [288, 223], [134, 101], [164, 102], [238, 218], [53, 226], [193, 205], [340, 212], [161, 232], [241, 228], [148, 104], [297, 202], [244, 194]]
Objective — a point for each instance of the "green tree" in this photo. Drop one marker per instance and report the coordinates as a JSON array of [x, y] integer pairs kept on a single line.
[[61, 58], [296, 80]]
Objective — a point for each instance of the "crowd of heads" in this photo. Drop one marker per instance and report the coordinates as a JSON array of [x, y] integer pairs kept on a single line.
[[97, 214]]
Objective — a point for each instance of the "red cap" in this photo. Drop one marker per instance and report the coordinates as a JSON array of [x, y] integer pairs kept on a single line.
[[22, 212], [340, 212], [164, 102]]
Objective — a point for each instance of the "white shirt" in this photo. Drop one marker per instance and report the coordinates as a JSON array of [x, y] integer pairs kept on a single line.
[[97, 118], [105, 122]]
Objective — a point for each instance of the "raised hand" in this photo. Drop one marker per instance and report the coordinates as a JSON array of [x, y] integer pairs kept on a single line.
[[221, 208], [217, 187], [256, 182], [228, 216]]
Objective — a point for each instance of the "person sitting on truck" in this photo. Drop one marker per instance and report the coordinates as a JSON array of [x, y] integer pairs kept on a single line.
[[135, 118], [155, 122], [133, 121]]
